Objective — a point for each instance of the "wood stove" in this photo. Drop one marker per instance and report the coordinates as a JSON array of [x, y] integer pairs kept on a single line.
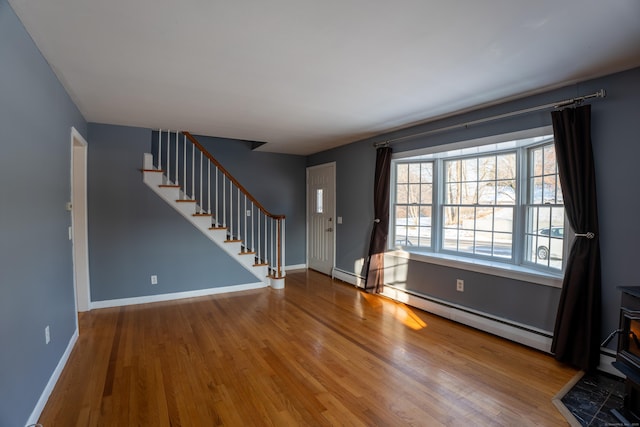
[[628, 355]]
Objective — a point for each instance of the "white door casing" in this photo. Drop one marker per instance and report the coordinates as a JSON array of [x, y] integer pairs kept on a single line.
[[321, 219], [79, 224]]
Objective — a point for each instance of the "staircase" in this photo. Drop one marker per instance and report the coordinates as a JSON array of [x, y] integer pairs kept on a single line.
[[195, 184]]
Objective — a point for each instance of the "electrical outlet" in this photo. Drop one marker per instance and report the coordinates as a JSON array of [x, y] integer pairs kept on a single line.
[[248, 212], [154, 279], [47, 336], [460, 285]]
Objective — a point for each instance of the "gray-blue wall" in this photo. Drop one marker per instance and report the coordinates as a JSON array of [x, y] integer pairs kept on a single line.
[[133, 233], [277, 181], [616, 143], [36, 274]]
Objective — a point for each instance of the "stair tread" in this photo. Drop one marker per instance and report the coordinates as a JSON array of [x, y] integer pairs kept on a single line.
[[261, 264], [169, 186], [202, 214], [246, 253], [186, 201], [152, 170], [217, 228], [233, 241]]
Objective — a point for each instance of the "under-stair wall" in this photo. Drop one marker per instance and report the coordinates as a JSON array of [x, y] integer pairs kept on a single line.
[[184, 174], [134, 234]]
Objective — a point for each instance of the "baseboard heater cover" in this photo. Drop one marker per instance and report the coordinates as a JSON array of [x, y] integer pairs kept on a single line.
[[513, 331], [348, 277]]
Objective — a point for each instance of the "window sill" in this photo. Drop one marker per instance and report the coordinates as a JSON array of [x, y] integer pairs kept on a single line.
[[515, 272]]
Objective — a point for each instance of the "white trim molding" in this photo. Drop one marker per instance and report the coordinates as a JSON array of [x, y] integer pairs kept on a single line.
[[44, 397], [79, 221], [175, 296], [295, 267]]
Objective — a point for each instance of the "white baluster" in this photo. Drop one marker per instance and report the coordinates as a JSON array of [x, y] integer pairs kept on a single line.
[[177, 159], [231, 208], [184, 166], [193, 171], [224, 201], [209, 186], [238, 225], [168, 157], [253, 226], [266, 239], [159, 156], [201, 201], [258, 251], [246, 235], [217, 197]]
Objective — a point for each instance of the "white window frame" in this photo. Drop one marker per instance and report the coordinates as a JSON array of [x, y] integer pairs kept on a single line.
[[517, 267]]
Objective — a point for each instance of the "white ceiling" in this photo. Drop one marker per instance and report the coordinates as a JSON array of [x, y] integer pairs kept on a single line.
[[308, 75]]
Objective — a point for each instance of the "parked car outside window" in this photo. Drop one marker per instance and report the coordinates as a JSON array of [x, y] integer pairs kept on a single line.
[[553, 244]]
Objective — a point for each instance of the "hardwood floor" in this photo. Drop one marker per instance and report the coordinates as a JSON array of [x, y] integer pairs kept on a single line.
[[317, 353]]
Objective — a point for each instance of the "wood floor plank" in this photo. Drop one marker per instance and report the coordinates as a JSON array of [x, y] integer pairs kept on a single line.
[[317, 353]]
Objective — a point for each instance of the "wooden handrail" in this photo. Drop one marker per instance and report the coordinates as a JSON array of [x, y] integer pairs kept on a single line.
[[195, 142]]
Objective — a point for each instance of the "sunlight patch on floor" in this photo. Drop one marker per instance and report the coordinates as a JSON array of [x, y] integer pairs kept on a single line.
[[409, 317]]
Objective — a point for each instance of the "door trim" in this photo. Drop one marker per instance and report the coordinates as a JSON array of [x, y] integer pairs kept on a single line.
[[333, 214], [79, 221]]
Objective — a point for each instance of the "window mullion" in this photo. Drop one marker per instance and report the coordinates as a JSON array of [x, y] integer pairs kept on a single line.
[[436, 210], [522, 194]]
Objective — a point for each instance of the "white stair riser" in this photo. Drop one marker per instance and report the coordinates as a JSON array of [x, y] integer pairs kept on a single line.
[[169, 193], [147, 161], [247, 260], [233, 248], [219, 236], [187, 209], [152, 178], [202, 222]]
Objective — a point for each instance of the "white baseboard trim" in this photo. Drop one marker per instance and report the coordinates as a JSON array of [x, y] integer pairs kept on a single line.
[[175, 296], [348, 277], [44, 397], [295, 267], [514, 331]]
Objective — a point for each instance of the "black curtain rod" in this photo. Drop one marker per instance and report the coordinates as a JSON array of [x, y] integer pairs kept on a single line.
[[559, 104]]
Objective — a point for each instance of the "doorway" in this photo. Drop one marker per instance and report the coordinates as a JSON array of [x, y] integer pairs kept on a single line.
[[79, 226], [321, 217]]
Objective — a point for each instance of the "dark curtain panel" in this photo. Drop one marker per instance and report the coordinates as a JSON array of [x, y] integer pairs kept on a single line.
[[576, 339], [375, 272]]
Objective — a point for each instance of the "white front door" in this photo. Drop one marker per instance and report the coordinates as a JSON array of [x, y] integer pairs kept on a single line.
[[321, 217]]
